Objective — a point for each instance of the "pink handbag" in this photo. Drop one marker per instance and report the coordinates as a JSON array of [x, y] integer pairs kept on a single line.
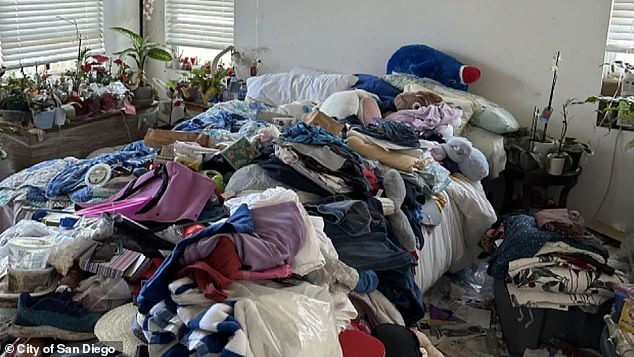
[[170, 193]]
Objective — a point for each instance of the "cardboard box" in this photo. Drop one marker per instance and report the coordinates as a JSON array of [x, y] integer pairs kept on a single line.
[[610, 87]]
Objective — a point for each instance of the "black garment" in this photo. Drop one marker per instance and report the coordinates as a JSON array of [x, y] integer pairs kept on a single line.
[[432, 135], [398, 340], [414, 198], [387, 106], [287, 175], [450, 165], [352, 120], [393, 131]]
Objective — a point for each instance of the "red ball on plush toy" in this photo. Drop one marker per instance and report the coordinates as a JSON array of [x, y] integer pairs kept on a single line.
[[470, 74]]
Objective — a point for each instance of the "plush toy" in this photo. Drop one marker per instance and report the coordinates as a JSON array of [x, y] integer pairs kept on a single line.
[[357, 102], [395, 190], [424, 61], [470, 160], [415, 100]]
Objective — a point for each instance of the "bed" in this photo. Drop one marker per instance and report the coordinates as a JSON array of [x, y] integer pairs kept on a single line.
[[452, 245], [449, 246]]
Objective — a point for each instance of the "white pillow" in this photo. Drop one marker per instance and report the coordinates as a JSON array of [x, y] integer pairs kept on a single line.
[[283, 88]]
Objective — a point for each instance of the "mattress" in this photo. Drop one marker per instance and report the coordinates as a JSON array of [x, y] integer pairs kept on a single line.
[[453, 244]]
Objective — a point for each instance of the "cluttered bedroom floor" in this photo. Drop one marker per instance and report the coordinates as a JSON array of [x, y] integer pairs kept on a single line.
[[471, 313]]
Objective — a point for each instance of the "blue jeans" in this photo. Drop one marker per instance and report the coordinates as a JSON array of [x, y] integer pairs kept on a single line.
[[360, 236]]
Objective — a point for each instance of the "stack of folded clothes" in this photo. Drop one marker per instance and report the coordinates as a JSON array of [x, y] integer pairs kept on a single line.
[[550, 261]]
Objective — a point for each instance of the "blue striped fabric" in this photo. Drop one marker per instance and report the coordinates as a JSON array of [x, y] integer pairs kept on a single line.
[[187, 323]]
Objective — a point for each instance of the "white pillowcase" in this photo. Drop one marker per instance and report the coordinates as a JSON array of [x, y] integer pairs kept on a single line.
[[283, 88]]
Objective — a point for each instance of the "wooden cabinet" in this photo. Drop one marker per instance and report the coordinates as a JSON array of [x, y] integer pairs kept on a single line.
[[78, 139]]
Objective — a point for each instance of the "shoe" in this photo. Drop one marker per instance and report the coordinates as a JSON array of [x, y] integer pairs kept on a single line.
[[56, 310]]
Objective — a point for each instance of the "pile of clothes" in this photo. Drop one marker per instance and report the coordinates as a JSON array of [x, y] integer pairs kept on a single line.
[[549, 261], [250, 238]]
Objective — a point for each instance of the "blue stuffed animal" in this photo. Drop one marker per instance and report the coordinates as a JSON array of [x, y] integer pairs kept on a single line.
[[471, 162], [424, 61]]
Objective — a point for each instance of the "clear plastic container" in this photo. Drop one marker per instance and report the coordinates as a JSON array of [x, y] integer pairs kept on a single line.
[[29, 253]]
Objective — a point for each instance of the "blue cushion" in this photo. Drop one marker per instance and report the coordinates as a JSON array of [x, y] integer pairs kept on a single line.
[[376, 85]]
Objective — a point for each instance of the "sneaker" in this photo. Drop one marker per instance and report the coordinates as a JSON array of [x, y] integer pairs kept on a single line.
[[56, 310]]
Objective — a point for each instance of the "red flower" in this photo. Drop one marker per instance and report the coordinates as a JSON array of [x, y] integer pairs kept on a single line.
[[118, 61], [186, 59], [86, 67], [193, 60], [100, 58]]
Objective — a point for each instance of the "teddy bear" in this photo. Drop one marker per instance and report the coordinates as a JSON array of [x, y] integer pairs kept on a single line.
[[394, 187], [415, 100], [424, 61], [470, 161]]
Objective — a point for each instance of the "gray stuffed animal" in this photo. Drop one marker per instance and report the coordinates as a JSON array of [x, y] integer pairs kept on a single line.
[[395, 190], [471, 161]]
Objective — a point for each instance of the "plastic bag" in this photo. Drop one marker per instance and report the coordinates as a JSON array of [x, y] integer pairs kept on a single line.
[[24, 228], [99, 293], [289, 321]]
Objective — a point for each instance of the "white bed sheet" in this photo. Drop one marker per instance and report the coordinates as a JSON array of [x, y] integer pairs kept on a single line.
[[453, 244]]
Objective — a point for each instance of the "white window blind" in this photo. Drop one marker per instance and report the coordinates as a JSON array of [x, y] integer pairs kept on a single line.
[[39, 32], [199, 23], [621, 30]]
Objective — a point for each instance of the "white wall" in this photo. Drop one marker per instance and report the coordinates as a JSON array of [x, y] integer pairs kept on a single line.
[[123, 13], [511, 41]]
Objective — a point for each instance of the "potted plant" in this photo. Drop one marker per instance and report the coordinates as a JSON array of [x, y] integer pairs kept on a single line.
[[15, 98], [44, 110], [618, 107], [575, 149], [538, 142], [557, 160], [140, 52], [209, 85], [520, 149]]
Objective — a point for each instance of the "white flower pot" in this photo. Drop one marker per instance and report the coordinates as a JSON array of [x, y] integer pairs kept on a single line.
[[542, 148], [556, 164]]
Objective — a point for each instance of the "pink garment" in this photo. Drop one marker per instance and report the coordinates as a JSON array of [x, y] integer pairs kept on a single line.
[[170, 194], [569, 222], [427, 118], [125, 207], [282, 271]]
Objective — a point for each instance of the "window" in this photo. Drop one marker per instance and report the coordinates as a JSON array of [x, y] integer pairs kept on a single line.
[[41, 32], [621, 30], [619, 60], [199, 23], [620, 43]]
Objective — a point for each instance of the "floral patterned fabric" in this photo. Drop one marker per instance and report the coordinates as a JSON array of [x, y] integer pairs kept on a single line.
[[562, 275]]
